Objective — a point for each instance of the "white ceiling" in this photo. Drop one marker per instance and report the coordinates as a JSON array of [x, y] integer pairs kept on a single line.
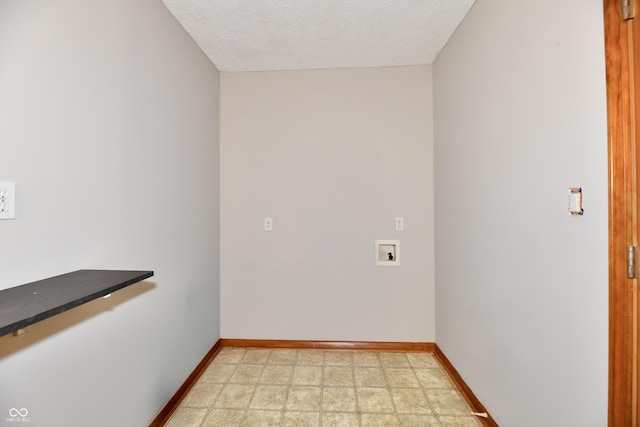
[[260, 35]]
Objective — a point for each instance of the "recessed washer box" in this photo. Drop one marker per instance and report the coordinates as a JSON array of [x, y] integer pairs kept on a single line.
[[388, 252]]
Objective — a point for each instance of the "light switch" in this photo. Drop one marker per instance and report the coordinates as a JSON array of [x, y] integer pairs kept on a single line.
[[7, 200], [575, 201]]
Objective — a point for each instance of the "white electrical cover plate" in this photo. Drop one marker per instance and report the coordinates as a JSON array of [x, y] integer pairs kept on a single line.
[[575, 201], [7, 200]]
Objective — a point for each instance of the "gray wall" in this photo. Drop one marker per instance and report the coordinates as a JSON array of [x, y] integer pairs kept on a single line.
[[333, 156], [110, 130], [109, 127], [521, 286]]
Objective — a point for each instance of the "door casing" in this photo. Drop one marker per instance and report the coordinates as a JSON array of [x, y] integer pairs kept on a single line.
[[621, 42]]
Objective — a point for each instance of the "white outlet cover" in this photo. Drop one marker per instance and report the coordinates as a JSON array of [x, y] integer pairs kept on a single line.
[[7, 200], [268, 224]]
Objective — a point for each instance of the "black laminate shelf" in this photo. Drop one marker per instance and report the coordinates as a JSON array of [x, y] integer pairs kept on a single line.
[[24, 305]]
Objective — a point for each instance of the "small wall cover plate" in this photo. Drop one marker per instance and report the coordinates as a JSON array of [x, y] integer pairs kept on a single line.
[[387, 252], [7, 200], [575, 201]]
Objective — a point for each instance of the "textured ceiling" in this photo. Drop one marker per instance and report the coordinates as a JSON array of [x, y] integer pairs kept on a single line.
[[260, 35]]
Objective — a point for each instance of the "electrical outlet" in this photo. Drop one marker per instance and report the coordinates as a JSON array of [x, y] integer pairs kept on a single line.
[[399, 223], [268, 224], [7, 200]]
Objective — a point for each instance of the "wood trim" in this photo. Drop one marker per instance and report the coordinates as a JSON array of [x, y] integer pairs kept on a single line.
[[622, 213], [633, 34], [165, 413], [471, 398], [330, 345]]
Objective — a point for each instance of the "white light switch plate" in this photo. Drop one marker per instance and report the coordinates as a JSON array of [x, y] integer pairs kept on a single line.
[[7, 200], [575, 201]]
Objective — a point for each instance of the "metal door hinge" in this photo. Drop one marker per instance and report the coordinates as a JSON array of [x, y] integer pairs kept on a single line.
[[628, 11], [632, 268]]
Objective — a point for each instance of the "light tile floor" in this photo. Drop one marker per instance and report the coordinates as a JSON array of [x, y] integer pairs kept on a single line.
[[307, 388]]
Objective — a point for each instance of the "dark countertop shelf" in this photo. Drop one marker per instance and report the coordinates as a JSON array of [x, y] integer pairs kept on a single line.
[[24, 305]]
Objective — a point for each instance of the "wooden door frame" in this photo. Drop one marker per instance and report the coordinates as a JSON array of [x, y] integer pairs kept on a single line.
[[623, 218]]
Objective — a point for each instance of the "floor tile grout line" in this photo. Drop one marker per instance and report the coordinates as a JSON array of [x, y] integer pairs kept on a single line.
[[322, 387], [390, 388], [211, 407], [244, 415], [355, 392], [422, 389], [393, 402]]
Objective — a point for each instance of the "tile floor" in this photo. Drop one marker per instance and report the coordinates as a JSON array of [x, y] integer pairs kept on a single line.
[[306, 388]]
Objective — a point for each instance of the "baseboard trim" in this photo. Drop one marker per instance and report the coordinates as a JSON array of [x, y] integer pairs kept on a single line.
[[165, 413], [331, 345], [472, 400]]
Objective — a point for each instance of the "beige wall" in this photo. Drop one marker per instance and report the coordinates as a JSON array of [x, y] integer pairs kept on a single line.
[[333, 156], [521, 285], [109, 128]]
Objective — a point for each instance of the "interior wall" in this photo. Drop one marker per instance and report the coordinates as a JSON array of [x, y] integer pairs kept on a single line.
[[521, 285], [332, 156], [109, 119]]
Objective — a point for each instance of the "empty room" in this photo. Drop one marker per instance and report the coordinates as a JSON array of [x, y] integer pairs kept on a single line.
[[328, 186]]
